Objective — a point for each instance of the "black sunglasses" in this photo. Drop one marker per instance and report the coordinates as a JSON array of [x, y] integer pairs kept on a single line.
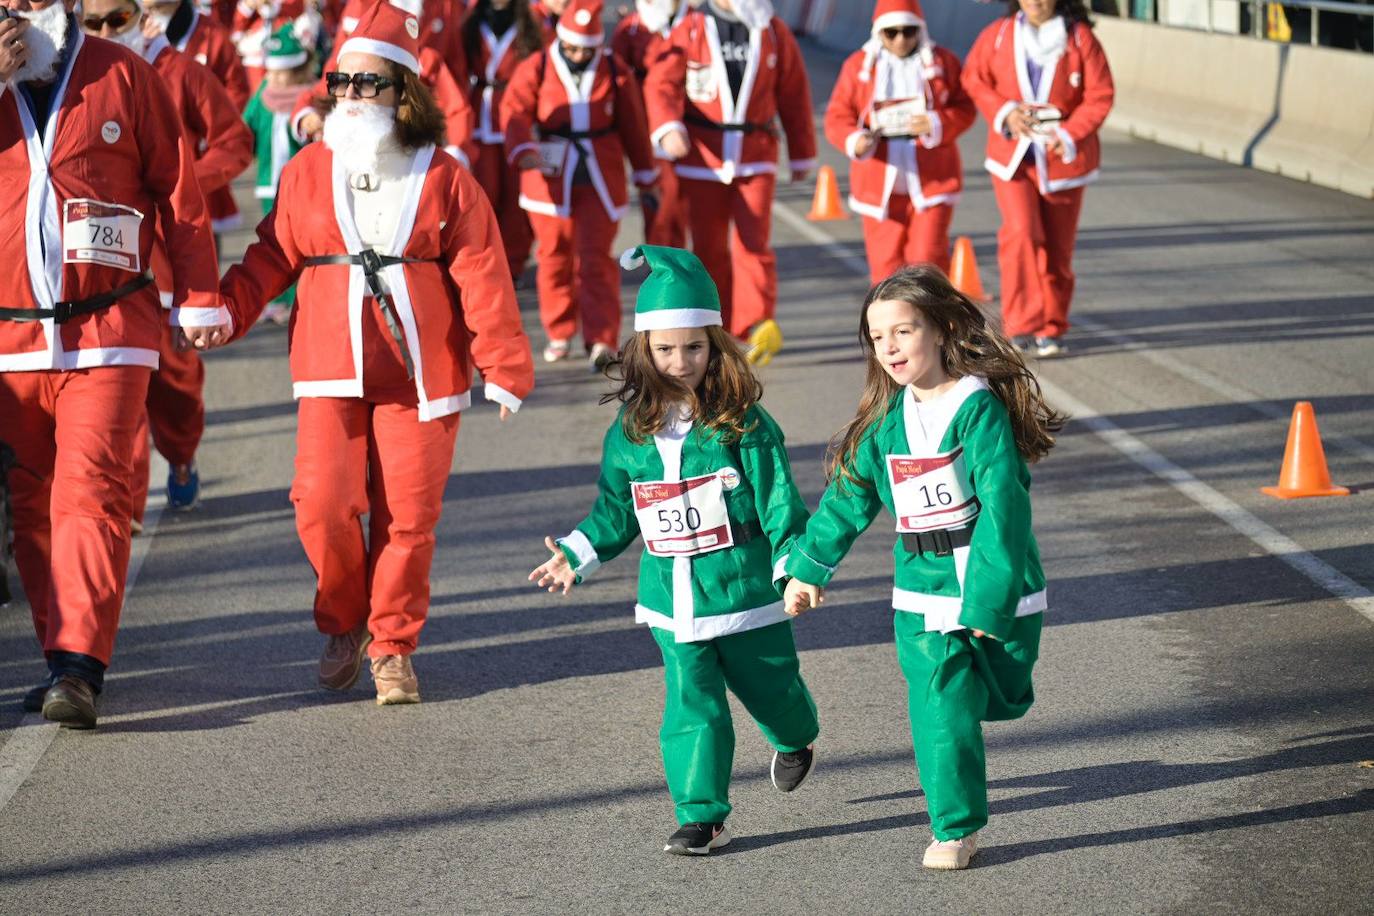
[[116, 20], [366, 84], [906, 31]]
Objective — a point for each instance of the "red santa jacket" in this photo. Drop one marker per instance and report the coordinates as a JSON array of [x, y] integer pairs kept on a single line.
[[220, 142], [492, 67], [1079, 84], [933, 172], [456, 305], [631, 42], [79, 209], [254, 24], [687, 83], [600, 111], [208, 44], [441, 28]]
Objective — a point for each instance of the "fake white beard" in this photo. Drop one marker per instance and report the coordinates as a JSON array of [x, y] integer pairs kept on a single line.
[[46, 40], [355, 131], [656, 15], [132, 38]]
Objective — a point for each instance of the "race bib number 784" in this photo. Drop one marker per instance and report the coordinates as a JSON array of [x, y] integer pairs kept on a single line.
[[99, 233]]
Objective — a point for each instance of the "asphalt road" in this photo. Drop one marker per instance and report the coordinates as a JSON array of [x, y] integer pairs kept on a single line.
[[1203, 737]]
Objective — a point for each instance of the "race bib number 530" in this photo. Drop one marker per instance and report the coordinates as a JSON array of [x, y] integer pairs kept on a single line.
[[683, 518], [931, 493], [99, 233]]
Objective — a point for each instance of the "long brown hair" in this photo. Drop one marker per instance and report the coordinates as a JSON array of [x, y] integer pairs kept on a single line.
[[970, 346], [419, 122], [1072, 11], [529, 34], [720, 403]]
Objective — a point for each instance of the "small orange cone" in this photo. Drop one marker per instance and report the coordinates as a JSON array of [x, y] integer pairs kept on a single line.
[[825, 205], [963, 270], [1304, 470]]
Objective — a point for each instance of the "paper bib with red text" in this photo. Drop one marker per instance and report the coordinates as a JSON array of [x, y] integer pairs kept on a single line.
[[683, 518], [931, 493]]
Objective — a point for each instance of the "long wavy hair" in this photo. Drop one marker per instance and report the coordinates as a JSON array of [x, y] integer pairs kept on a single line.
[[970, 346], [719, 403], [1072, 11]]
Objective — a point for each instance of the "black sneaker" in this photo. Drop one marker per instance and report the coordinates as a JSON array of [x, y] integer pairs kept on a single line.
[[789, 770], [697, 839]]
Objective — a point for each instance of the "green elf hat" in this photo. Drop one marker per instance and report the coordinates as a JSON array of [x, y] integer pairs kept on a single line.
[[284, 50], [678, 292]]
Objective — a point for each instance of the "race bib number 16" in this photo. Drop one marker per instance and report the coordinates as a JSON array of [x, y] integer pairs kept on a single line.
[[683, 518], [99, 233], [931, 493]]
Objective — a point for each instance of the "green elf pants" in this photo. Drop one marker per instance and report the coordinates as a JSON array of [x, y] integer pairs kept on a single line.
[[955, 682], [698, 740]]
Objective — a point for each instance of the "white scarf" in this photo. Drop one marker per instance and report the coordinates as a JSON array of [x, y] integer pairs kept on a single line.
[[899, 77], [1045, 44]]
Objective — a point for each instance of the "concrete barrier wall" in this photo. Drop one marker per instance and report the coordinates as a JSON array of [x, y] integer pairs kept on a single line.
[[1256, 103]]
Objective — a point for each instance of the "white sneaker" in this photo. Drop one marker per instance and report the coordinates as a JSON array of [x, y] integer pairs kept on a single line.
[[1050, 347], [601, 355], [557, 350], [951, 854]]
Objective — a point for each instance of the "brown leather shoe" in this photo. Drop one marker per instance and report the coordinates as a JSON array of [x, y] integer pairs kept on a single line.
[[342, 660], [70, 702], [395, 680]]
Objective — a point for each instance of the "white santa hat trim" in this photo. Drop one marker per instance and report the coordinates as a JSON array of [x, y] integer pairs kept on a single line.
[[895, 20], [579, 40], [350, 24], [382, 49]]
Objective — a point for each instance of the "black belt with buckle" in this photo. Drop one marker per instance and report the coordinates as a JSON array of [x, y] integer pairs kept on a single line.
[[744, 532], [62, 312], [940, 542]]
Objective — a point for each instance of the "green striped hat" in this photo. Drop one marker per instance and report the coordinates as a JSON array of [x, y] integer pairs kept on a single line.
[[678, 292]]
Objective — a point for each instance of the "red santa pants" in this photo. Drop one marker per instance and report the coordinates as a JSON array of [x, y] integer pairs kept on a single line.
[[577, 274], [744, 267], [907, 236], [175, 414], [356, 456], [667, 224], [1035, 253], [502, 184], [73, 433]]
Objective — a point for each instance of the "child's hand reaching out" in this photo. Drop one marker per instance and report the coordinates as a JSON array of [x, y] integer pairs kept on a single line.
[[557, 574], [800, 596]]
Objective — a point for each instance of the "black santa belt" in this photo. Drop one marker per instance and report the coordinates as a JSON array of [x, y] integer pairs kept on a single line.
[[747, 127], [372, 263], [63, 312], [941, 542]]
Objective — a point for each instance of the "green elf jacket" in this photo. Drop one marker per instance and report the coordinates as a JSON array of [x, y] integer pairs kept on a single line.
[[984, 585], [712, 594], [273, 143]]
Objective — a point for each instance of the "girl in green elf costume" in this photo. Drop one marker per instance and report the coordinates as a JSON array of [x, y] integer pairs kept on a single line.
[[694, 465], [948, 419]]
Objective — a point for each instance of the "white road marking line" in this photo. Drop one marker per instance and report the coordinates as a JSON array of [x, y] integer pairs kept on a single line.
[[1325, 576], [30, 739], [1201, 377]]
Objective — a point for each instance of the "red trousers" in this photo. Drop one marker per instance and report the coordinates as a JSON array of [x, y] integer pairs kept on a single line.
[[175, 414], [744, 267], [577, 274], [907, 236], [356, 456], [667, 225], [1035, 253], [73, 433], [502, 184]]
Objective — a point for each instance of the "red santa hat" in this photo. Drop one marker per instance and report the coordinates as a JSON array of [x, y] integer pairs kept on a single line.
[[894, 14], [390, 30], [580, 25]]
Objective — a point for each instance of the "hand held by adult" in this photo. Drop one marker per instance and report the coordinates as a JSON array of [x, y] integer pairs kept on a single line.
[[675, 144]]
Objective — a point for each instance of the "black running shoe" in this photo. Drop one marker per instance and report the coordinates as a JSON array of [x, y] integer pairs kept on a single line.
[[789, 770], [697, 839]]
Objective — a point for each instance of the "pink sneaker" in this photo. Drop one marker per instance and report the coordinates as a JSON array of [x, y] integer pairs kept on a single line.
[[395, 680], [951, 854], [342, 660]]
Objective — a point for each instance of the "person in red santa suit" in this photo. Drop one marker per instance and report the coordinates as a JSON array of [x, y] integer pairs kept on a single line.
[[96, 159], [206, 40], [571, 115], [896, 112], [636, 40], [254, 23], [1041, 80], [223, 148], [402, 289], [728, 70], [449, 94], [497, 36]]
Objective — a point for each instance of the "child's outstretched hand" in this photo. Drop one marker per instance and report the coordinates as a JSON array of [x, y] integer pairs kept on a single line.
[[799, 596], [557, 574]]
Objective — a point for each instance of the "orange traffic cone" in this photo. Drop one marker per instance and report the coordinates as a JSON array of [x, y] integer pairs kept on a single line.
[[1304, 461], [963, 270], [826, 204]]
